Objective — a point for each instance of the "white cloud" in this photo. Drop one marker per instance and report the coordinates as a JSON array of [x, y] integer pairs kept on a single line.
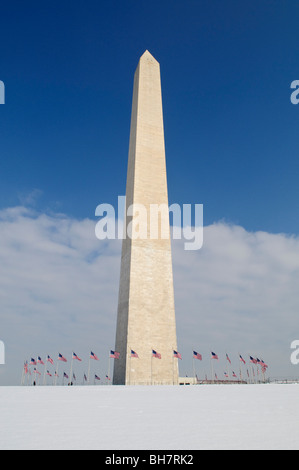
[[59, 287], [240, 293]]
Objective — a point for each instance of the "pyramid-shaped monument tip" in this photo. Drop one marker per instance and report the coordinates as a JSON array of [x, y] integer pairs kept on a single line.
[[148, 55]]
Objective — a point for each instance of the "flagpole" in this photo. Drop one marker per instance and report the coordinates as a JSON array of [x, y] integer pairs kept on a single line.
[[241, 370], [57, 366], [108, 370], [71, 368], [172, 366], [152, 368], [193, 363], [32, 376], [130, 366], [44, 380], [228, 367], [88, 373], [254, 379], [23, 374]]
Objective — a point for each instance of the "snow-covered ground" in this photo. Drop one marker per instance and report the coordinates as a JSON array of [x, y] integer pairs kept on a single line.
[[150, 418]]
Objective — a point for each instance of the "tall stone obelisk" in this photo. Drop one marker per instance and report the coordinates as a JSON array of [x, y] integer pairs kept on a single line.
[[146, 313]]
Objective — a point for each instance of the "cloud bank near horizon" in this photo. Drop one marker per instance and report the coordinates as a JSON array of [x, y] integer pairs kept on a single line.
[[59, 288]]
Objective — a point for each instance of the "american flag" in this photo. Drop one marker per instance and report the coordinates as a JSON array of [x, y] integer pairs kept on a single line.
[[76, 357], [228, 359], [48, 373], [242, 360], [26, 367], [93, 356], [56, 375], [96, 377], [61, 358], [234, 375], [107, 377], [40, 361], [196, 355], [226, 375], [177, 354], [252, 360], [133, 353], [114, 354], [214, 356], [85, 378], [36, 371], [50, 360], [156, 354], [33, 362], [65, 375]]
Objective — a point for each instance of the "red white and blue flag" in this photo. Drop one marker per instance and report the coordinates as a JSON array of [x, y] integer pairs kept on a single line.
[[242, 360], [196, 355], [177, 355], [114, 354], [40, 361], [93, 356], [96, 377], [156, 354], [33, 362], [50, 360], [65, 375], [76, 357], [214, 356], [228, 359], [134, 354], [61, 358]]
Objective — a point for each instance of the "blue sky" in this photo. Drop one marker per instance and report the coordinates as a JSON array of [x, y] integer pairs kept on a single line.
[[230, 128], [231, 136]]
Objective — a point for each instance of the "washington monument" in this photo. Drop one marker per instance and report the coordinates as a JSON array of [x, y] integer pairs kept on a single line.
[[146, 313]]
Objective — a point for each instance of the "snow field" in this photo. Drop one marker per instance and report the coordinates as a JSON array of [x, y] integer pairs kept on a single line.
[[150, 418]]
